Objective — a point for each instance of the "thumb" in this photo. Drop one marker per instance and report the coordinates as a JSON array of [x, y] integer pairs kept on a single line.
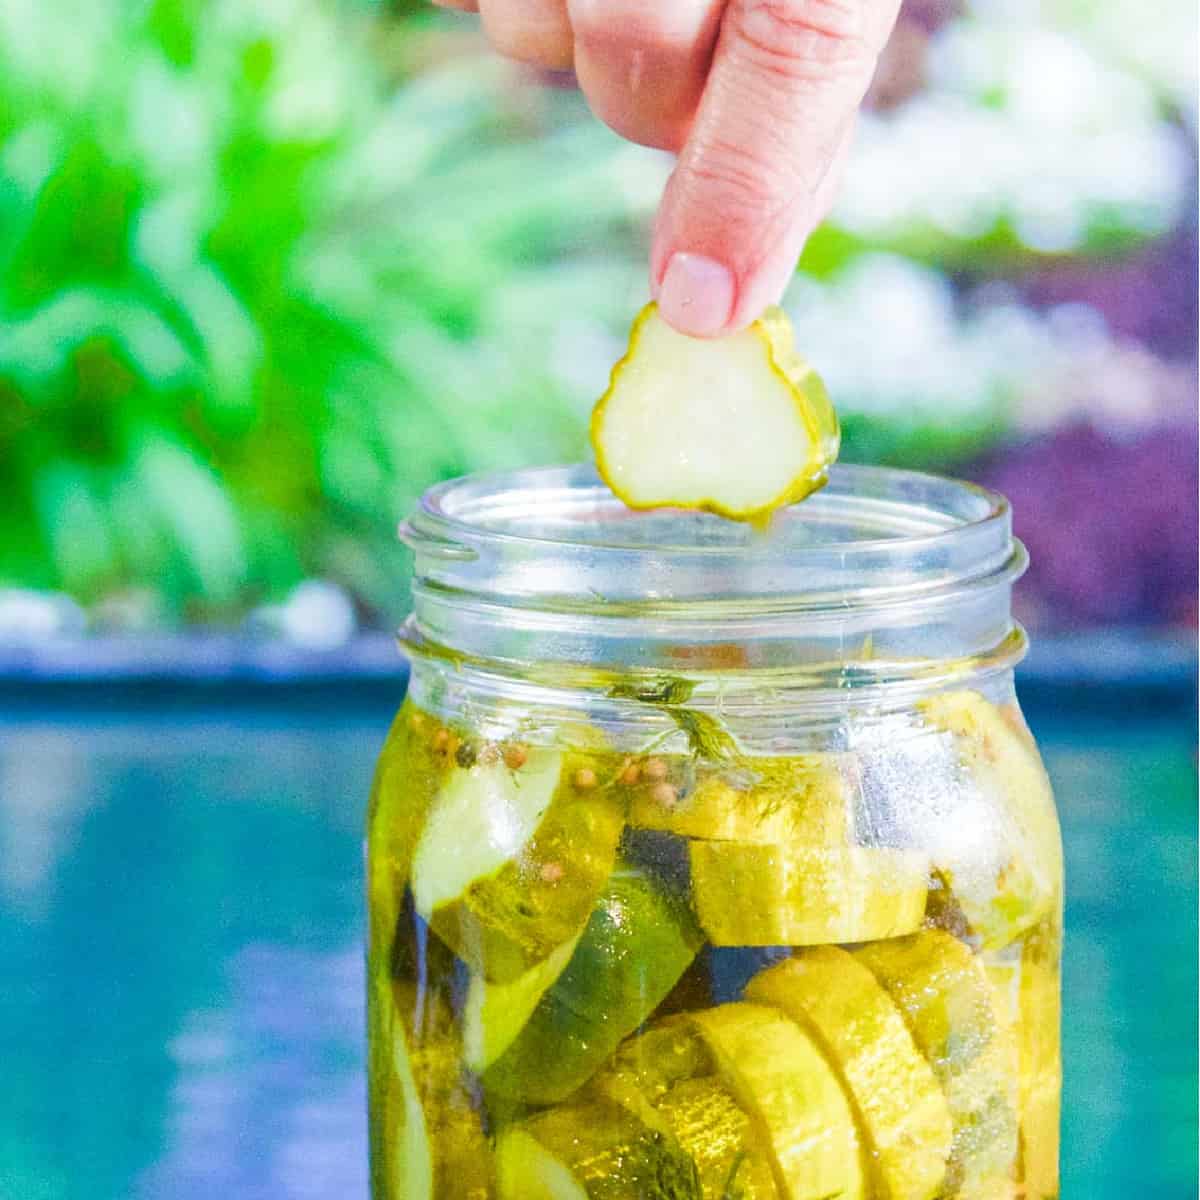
[[754, 176]]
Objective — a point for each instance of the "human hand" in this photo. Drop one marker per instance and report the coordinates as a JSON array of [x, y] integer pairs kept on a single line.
[[757, 97]]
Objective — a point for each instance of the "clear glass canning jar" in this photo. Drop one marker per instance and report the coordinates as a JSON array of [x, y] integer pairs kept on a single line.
[[708, 863]]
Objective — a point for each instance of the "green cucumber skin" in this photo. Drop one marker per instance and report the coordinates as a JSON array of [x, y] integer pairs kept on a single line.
[[610, 1153], [636, 945]]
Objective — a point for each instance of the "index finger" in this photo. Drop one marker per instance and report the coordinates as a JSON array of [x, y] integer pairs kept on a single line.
[[786, 81]]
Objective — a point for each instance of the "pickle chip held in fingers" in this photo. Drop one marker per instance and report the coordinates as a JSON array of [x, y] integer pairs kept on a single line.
[[738, 425], [750, 894], [904, 1117], [513, 855]]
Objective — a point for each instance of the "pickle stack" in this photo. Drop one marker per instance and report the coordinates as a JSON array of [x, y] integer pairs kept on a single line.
[[550, 927]]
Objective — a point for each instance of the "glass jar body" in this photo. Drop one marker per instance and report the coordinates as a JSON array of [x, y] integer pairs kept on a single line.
[[689, 939]]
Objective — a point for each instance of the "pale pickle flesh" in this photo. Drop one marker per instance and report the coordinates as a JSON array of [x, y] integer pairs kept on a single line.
[[1026, 882], [905, 1120], [956, 1019], [511, 860], [738, 425], [748, 894], [786, 801], [778, 1075]]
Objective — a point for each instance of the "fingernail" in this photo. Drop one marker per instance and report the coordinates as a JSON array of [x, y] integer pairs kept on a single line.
[[696, 294]]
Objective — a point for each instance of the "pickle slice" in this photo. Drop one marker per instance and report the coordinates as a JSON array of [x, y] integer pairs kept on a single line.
[[738, 425], [1024, 882], [636, 945], [790, 801], [758, 895], [958, 1024], [779, 1076], [593, 1150], [495, 1013], [1026, 980], [905, 1121], [510, 862], [426, 1139], [668, 1078], [406, 781]]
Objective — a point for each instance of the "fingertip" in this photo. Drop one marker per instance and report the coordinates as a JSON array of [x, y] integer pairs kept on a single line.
[[697, 295]]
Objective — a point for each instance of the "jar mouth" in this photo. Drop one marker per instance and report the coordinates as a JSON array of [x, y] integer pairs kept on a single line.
[[877, 576], [557, 537]]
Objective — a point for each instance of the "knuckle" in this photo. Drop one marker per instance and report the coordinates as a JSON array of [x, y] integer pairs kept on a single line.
[[804, 39], [744, 186]]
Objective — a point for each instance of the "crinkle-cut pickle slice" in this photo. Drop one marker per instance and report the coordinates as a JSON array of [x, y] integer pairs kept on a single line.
[[510, 861], [593, 1149], [779, 1076], [958, 1023], [427, 1141], [668, 1078], [636, 945], [1027, 983], [738, 425], [1028, 881], [802, 799], [905, 1120], [748, 894]]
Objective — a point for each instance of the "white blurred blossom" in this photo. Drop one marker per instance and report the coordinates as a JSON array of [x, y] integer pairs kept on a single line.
[[1022, 126]]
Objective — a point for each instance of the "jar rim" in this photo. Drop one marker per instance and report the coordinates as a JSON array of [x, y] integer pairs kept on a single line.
[[878, 529], [548, 564]]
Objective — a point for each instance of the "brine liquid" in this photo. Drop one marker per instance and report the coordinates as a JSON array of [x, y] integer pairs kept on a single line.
[[622, 976]]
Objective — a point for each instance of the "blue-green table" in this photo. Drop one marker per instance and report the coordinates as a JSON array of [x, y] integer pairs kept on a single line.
[[180, 991]]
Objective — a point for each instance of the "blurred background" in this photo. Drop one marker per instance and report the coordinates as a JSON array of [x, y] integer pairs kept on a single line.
[[269, 270]]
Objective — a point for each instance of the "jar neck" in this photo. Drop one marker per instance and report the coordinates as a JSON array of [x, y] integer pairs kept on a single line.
[[882, 578], [765, 710]]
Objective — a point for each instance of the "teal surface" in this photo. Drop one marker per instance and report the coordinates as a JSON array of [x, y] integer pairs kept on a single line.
[[180, 979]]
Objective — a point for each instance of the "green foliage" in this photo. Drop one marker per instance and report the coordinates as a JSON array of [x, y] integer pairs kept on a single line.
[[252, 303], [266, 273]]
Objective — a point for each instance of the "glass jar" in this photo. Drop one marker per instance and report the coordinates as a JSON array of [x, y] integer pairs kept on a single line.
[[709, 863]]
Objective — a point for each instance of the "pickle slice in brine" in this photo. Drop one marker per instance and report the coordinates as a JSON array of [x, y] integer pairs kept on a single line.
[[1024, 883], [1026, 979], [495, 1013], [748, 894], [905, 1120], [779, 1076], [594, 1149], [636, 945], [407, 778], [957, 1022], [667, 1076], [427, 1142], [802, 799], [510, 861]]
